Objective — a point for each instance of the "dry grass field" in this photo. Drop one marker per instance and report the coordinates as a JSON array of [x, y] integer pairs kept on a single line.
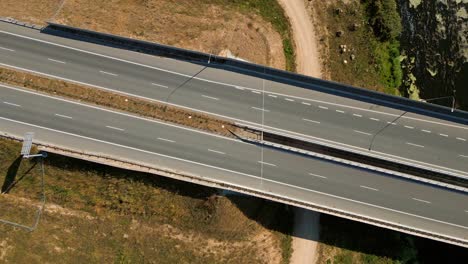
[[255, 30]]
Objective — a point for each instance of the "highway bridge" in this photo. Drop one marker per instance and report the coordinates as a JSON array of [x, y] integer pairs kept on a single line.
[[331, 187]]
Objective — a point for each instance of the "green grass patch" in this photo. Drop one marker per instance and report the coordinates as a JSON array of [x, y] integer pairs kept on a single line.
[[372, 48]]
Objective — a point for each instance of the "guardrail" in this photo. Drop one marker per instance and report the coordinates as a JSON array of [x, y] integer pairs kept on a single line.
[[311, 205], [389, 167], [307, 82]]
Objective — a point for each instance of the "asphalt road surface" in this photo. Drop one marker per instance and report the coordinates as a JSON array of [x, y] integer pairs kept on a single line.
[[351, 124], [97, 130]]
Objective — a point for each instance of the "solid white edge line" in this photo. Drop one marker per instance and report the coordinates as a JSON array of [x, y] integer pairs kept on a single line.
[[236, 172], [119, 113], [318, 176], [422, 201], [216, 151], [96, 54], [167, 140], [64, 116], [343, 145], [190, 76], [415, 145], [115, 128], [12, 104], [369, 188]]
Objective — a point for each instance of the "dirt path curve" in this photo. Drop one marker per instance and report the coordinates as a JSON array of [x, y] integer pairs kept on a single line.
[[305, 236], [307, 54]]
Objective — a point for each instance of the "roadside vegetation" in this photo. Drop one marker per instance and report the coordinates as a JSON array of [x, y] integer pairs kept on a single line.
[[254, 30], [97, 213], [359, 40]]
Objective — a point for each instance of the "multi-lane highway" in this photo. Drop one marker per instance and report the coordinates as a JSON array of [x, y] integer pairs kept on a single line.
[[344, 122], [314, 181]]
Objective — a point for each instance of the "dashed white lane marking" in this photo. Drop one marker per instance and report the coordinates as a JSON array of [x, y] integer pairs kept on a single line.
[[312, 121], [12, 104], [357, 115], [256, 92], [466, 211], [115, 128], [108, 73], [415, 145], [216, 151], [463, 156], [410, 127], [64, 116], [360, 132], [369, 188], [289, 99], [375, 119], [260, 109], [272, 95], [340, 111], [316, 175], [2, 48], [444, 135], [391, 123], [323, 107], [422, 201], [462, 139], [239, 88], [304, 103], [266, 163], [210, 97], [159, 85], [167, 140], [425, 131], [62, 62]]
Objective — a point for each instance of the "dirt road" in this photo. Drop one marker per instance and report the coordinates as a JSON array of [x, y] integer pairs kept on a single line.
[[307, 54], [306, 227], [305, 236]]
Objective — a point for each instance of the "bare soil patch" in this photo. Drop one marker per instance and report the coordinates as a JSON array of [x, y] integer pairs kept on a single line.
[[203, 25]]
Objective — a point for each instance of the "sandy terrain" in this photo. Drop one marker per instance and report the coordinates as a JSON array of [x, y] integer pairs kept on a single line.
[[307, 54]]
